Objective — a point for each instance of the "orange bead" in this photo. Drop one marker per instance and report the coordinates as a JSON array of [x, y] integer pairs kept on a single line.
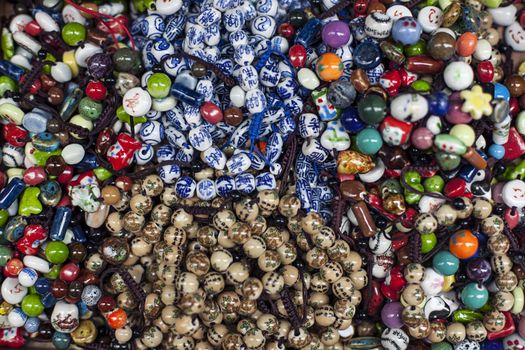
[[463, 244], [466, 44], [329, 67], [117, 318]]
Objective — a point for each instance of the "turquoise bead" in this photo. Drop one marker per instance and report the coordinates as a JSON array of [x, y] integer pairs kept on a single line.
[[474, 296], [445, 263], [61, 340], [369, 141]]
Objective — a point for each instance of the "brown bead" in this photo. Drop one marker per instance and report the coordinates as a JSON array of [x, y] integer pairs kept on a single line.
[[233, 116], [198, 70], [47, 82], [364, 219], [77, 252], [55, 96], [452, 14], [423, 65], [441, 46], [111, 195], [516, 85], [375, 6], [366, 329], [474, 158], [360, 80], [55, 165], [90, 6], [97, 36], [54, 126], [352, 189]]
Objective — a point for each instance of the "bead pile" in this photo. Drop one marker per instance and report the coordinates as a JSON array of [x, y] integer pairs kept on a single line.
[[231, 174]]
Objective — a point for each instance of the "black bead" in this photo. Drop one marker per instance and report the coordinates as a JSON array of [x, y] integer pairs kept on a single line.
[[362, 243], [381, 222], [459, 204], [110, 81], [280, 221], [196, 167], [498, 209], [157, 69], [42, 54], [461, 277], [498, 168], [297, 18], [299, 264], [332, 181], [479, 188], [465, 224], [235, 195]]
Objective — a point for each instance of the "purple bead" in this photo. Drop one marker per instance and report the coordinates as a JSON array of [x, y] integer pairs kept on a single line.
[[391, 314], [100, 65], [479, 269], [336, 34]]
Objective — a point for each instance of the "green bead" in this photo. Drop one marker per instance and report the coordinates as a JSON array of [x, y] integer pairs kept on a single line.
[[411, 197], [53, 273], [441, 346], [419, 48], [372, 109], [125, 118], [450, 144], [391, 186], [32, 305], [4, 216], [126, 60], [139, 5], [41, 156], [159, 85], [445, 263], [29, 203], [434, 184], [47, 67], [474, 296], [57, 252], [73, 33], [61, 341], [369, 141], [6, 84], [412, 177], [421, 86], [491, 3], [465, 315], [428, 242], [149, 4], [102, 174], [6, 253], [8, 47], [32, 290], [90, 109], [448, 161]]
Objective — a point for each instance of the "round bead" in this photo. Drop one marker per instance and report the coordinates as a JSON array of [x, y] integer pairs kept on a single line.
[[329, 67], [445, 263], [336, 34], [463, 244], [369, 141]]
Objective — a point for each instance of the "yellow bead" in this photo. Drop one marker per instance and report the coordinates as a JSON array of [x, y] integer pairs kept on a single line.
[[464, 133], [447, 283], [69, 58], [81, 121]]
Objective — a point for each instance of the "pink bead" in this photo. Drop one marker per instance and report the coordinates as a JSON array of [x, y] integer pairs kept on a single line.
[[34, 175], [211, 112], [69, 272], [455, 115], [422, 138]]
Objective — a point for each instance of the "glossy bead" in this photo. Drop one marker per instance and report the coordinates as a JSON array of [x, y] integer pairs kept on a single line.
[[329, 67], [463, 244], [96, 91], [73, 33], [211, 112], [369, 141], [117, 318], [159, 85], [336, 34], [445, 263]]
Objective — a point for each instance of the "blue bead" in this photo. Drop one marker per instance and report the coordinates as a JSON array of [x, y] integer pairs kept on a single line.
[[474, 296], [89, 162], [42, 285], [492, 345], [78, 234], [225, 185], [351, 121], [48, 300], [309, 33], [501, 91], [438, 104], [10, 193], [35, 122], [496, 151], [367, 55], [32, 324], [467, 172], [11, 70], [406, 30], [186, 95], [60, 223], [445, 263], [61, 341]]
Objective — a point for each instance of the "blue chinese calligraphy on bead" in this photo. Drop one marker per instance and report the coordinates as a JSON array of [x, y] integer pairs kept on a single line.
[[265, 181], [225, 185], [186, 95], [185, 187], [245, 183], [206, 189]]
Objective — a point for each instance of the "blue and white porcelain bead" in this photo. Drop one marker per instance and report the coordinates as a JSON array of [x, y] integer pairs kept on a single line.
[[223, 5], [286, 125], [165, 152], [263, 25], [175, 118], [265, 181], [144, 155], [309, 125], [248, 78], [195, 36], [280, 44], [174, 27], [186, 79], [257, 162], [238, 38], [294, 104], [208, 16], [303, 191], [213, 35], [206, 88], [175, 137], [174, 65], [168, 7], [267, 7], [16, 317], [255, 101], [274, 147], [153, 115], [244, 55], [185, 187], [314, 151], [200, 138], [153, 26], [248, 10], [233, 20], [245, 183], [161, 48], [185, 154], [238, 163], [152, 132], [269, 75], [225, 185], [169, 173], [214, 157], [206, 190], [240, 135], [286, 87]]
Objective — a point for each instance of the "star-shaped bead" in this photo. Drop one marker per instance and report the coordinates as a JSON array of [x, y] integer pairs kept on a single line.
[[477, 102]]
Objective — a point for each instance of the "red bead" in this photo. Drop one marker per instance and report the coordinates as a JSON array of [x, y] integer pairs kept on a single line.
[[104, 140], [485, 71], [211, 112], [360, 7], [64, 202], [515, 146], [514, 106], [121, 153], [69, 272], [286, 30], [512, 217], [297, 54], [399, 240], [33, 28], [35, 87], [507, 330], [106, 304], [124, 183], [117, 318], [96, 90], [66, 175], [34, 236], [455, 188], [13, 267], [15, 135], [34, 175], [59, 289]]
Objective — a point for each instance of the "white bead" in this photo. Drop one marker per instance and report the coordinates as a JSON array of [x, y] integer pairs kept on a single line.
[[504, 16], [12, 291], [409, 107], [19, 22], [374, 174], [434, 124], [458, 75], [37, 263], [46, 22], [308, 78], [73, 153], [21, 61], [82, 54], [397, 11], [378, 25], [71, 14], [27, 277], [432, 283], [513, 194], [380, 243], [27, 42], [430, 18], [237, 96], [16, 317], [163, 104], [515, 36], [483, 50], [263, 25], [61, 72], [136, 102], [168, 7]]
